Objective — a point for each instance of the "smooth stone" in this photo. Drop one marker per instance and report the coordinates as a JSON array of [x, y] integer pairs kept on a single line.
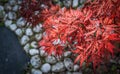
[[37, 28], [33, 51], [13, 27], [42, 52], [15, 8], [12, 15], [69, 64], [67, 53], [75, 3], [29, 32], [35, 61], [26, 47], [7, 7], [38, 36], [8, 23], [24, 40], [34, 44], [67, 3], [18, 32], [76, 67], [21, 22], [58, 67], [36, 71], [50, 59], [12, 2], [1, 8], [46, 68]]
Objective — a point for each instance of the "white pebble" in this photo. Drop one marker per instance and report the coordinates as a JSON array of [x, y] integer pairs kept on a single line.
[[46, 68], [18, 32], [36, 71], [13, 27], [26, 47], [38, 37], [33, 51], [29, 32], [24, 40], [8, 23], [21, 22]]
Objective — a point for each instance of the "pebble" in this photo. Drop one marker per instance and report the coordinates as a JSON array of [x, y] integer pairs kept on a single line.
[[18, 32], [69, 64], [67, 53], [7, 7], [8, 23], [15, 8], [75, 3], [50, 59], [68, 72], [2, 12], [37, 28], [58, 67], [46, 68], [38, 37], [76, 67], [67, 3], [21, 22], [1, 8], [36, 71], [29, 32], [12, 15], [13, 27], [26, 47], [24, 40], [12, 2], [42, 52], [34, 44], [35, 61], [33, 51]]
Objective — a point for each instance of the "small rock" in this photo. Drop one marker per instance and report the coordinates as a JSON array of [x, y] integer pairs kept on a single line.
[[12, 15], [75, 3], [77, 72], [50, 59], [42, 52], [2, 12], [29, 32], [76, 67], [38, 37], [15, 8], [36, 71], [12, 2], [18, 32], [26, 47], [68, 72], [33, 51], [1, 8], [67, 53], [21, 22], [8, 23], [58, 67], [35, 61], [7, 7], [67, 3], [24, 40], [46, 68], [37, 28], [13, 27], [34, 44], [68, 64]]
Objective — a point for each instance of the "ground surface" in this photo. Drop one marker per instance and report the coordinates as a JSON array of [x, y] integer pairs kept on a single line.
[[12, 57]]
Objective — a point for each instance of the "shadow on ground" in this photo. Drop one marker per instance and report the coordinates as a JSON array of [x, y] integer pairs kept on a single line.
[[12, 56]]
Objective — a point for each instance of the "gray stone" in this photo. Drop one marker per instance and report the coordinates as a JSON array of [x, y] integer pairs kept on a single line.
[[68, 64], [58, 67], [2, 12], [7, 7], [50, 59], [1, 8], [38, 37], [15, 8], [33, 51], [76, 67], [35, 61], [18, 32], [42, 52], [36, 71], [21, 22], [75, 3], [67, 3], [7, 23], [12, 15], [34, 44], [46, 68], [24, 40], [26, 47], [12, 2], [29, 32], [37, 28], [13, 27], [67, 53]]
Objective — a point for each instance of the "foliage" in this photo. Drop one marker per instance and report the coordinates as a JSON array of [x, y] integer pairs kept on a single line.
[[88, 32]]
